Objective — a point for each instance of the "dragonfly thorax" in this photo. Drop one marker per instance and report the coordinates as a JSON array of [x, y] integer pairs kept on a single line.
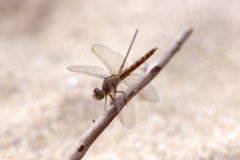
[[110, 84], [98, 94]]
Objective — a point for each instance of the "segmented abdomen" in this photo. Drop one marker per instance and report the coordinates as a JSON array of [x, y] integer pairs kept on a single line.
[[130, 69]]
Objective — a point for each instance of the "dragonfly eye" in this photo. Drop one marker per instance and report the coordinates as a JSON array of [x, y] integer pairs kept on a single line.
[[98, 94]]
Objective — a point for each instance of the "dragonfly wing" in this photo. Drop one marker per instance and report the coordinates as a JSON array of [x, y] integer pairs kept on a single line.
[[90, 70], [148, 92], [127, 115], [112, 60]]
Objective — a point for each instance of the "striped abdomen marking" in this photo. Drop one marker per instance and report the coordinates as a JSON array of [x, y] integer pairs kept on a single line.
[[130, 69]]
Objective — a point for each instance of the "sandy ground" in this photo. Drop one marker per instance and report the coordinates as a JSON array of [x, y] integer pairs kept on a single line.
[[44, 108]]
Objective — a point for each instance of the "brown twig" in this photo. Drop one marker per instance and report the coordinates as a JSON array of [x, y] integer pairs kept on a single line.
[[83, 144]]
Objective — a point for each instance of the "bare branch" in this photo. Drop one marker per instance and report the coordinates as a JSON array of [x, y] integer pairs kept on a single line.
[[83, 144]]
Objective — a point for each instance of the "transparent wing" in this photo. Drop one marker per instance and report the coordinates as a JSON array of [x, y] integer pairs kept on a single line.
[[90, 70], [112, 60], [148, 92], [127, 115]]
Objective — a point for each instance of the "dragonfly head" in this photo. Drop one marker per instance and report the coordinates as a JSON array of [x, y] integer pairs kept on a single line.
[[98, 94]]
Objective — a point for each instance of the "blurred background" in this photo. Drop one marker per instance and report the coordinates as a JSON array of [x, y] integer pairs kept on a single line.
[[44, 108]]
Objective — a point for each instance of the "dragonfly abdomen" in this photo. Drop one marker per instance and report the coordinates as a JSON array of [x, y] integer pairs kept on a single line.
[[130, 69]]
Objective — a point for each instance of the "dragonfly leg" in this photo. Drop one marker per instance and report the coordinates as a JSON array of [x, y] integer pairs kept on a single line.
[[105, 103], [112, 99], [123, 96]]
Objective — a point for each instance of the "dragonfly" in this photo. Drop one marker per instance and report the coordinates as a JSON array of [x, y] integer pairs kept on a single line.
[[113, 62]]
